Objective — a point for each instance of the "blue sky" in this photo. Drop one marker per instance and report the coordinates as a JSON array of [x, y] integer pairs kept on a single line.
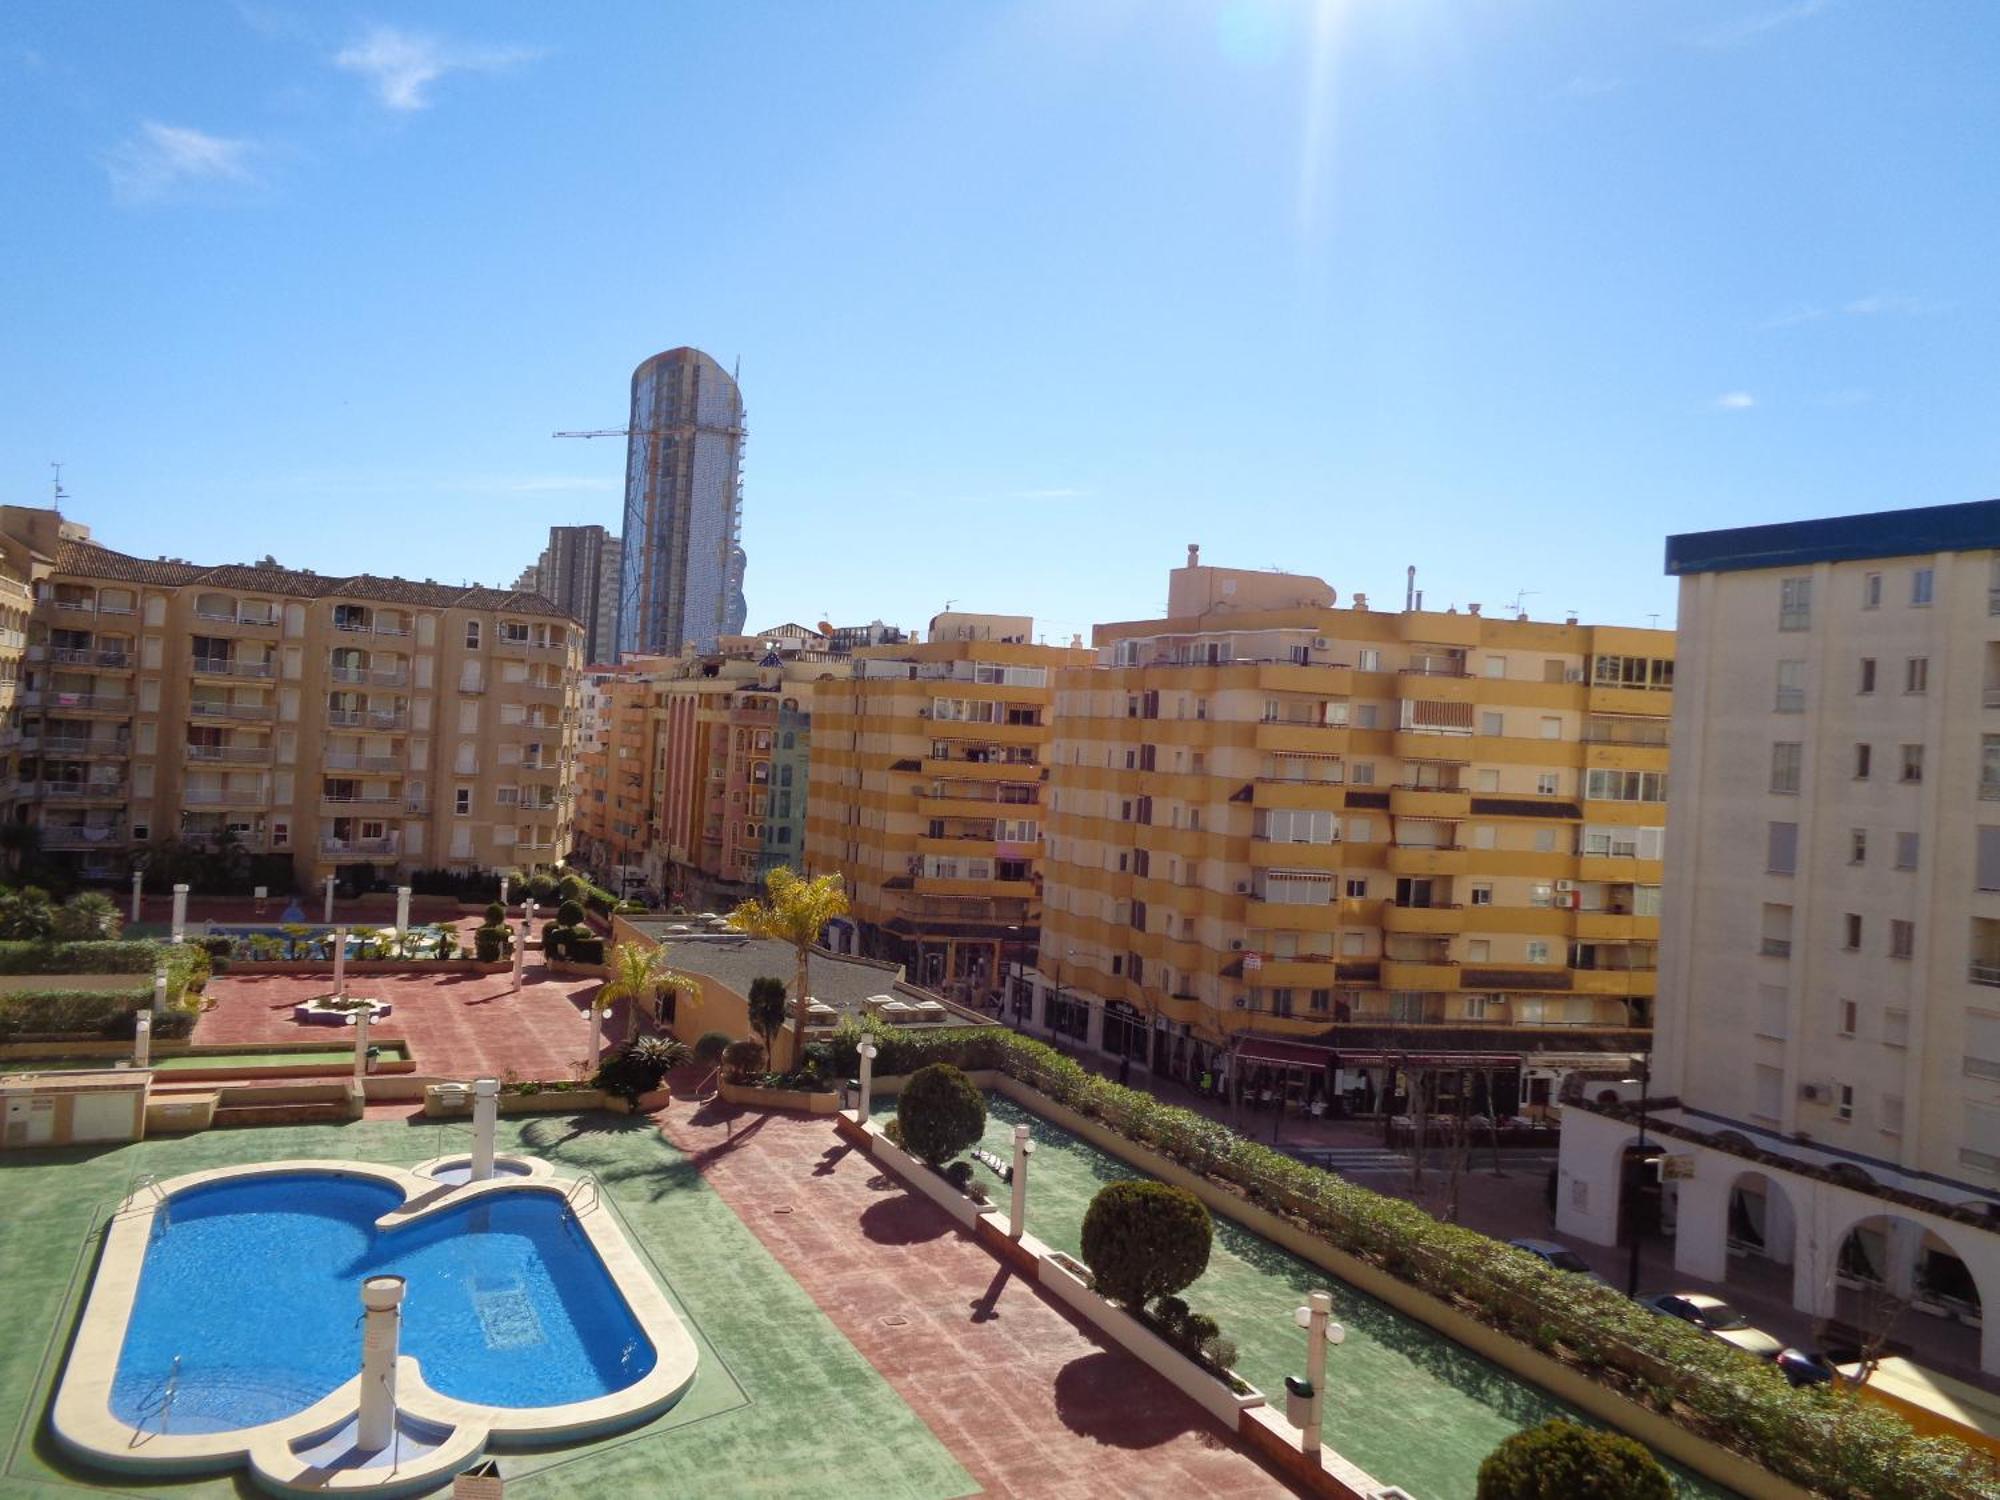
[[1027, 297]]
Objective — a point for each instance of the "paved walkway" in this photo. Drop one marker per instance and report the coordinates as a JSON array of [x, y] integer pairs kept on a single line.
[[1022, 1396]]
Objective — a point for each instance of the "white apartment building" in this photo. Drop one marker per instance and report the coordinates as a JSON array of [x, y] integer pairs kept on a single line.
[[1827, 1081]]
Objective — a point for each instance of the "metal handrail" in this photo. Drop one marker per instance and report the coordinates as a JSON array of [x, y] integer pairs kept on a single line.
[[588, 1179]]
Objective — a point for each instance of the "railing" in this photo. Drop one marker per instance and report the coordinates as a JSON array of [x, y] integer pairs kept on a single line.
[[1983, 973], [381, 676], [242, 755], [229, 666], [1989, 791], [88, 702], [61, 789], [357, 846], [79, 602], [1990, 698], [81, 838], [208, 796], [380, 799], [68, 744], [577, 1192], [1776, 948], [239, 617], [86, 657], [209, 710]]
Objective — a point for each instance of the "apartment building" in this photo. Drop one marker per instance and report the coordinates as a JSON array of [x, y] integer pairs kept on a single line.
[[928, 788], [578, 572], [359, 726], [1831, 986], [1336, 845]]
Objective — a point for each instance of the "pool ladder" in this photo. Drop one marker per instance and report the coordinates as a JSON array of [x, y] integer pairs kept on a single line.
[[164, 1410], [149, 1182], [575, 1194]]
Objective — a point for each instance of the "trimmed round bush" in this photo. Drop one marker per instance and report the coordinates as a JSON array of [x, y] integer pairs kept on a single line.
[[495, 914], [555, 940], [1564, 1460], [1145, 1239], [491, 944], [569, 888], [942, 1112], [542, 887], [570, 913], [709, 1047], [744, 1060]]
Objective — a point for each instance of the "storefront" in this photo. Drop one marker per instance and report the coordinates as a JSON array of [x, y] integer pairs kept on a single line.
[[1380, 1082], [1279, 1071]]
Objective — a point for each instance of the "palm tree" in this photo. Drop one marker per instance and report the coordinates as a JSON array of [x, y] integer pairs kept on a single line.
[[795, 909], [638, 974]]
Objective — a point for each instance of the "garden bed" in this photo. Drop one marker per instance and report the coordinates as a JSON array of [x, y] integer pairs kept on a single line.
[[800, 1101]]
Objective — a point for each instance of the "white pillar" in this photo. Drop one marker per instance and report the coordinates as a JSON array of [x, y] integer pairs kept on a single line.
[[596, 1018], [180, 911], [360, 1023], [1321, 1331], [340, 961], [867, 1050], [138, 880], [1905, 1240], [527, 914], [142, 1039], [160, 990], [328, 917], [1024, 1148], [520, 956], [485, 1119], [381, 1332], [1701, 1220], [402, 910], [503, 890]]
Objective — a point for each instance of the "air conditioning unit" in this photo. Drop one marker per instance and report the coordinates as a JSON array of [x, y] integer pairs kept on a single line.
[[1815, 1093], [1573, 674], [923, 713], [1565, 886], [1242, 1002], [1242, 887], [1236, 945]]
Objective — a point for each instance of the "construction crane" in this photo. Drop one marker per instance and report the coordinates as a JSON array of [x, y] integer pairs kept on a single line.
[[606, 432]]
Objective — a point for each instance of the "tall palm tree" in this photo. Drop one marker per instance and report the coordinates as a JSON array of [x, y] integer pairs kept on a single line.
[[794, 909], [639, 973]]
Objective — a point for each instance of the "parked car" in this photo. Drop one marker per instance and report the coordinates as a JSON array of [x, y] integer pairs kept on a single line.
[[1560, 1256], [1805, 1366], [1714, 1316]]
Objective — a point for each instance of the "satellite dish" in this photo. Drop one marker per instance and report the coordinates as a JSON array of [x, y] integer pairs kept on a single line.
[[824, 628]]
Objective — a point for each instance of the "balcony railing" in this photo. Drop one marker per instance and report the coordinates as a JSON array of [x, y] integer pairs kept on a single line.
[[341, 760], [1983, 973], [239, 617], [74, 789], [1989, 791], [380, 676], [240, 755], [60, 698], [357, 846], [202, 709], [85, 657], [361, 799], [215, 796], [229, 666], [81, 838], [69, 744], [368, 718], [1775, 947]]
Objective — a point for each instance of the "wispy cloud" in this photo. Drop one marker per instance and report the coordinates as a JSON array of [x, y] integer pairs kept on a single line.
[[1749, 27], [1059, 492], [1590, 86], [1886, 304], [402, 65], [154, 160], [1735, 401]]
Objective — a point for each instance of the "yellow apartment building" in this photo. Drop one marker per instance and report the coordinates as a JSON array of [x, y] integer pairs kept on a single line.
[[358, 726], [1330, 845], [928, 786]]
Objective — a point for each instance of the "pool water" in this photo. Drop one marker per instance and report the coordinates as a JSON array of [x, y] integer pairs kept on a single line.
[[253, 1285]]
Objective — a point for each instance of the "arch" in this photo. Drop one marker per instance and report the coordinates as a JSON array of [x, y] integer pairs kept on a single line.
[[1848, 1175], [1761, 1217]]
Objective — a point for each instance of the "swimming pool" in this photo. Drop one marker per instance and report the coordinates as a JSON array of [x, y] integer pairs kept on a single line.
[[223, 1323]]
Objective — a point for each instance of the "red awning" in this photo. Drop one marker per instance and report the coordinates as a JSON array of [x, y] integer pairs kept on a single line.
[[1269, 1050], [1380, 1059]]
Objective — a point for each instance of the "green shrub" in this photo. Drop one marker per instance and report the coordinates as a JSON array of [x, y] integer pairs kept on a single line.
[[88, 916], [67, 1013], [639, 1066], [25, 914], [496, 914], [1144, 1239], [168, 1026], [542, 887], [585, 946], [709, 1047], [570, 913], [132, 956], [491, 944], [569, 889], [1564, 1460], [942, 1111], [743, 1062], [555, 940], [766, 1006]]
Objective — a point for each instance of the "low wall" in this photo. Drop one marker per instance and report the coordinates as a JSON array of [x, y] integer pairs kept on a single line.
[[573, 969], [796, 1100], [1711, 1460], [308, 967]]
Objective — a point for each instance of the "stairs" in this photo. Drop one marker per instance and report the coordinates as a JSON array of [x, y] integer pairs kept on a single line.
[[309, 1101]]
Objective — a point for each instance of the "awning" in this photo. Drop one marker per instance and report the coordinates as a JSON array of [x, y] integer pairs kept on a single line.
[[1307, 754], [1378, 1059], [1264, 1049]]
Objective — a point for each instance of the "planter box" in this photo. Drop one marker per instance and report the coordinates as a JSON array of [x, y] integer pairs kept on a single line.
[[305, 966], [792, 1099], [964, 1212], [557, 1102], [576, 969]]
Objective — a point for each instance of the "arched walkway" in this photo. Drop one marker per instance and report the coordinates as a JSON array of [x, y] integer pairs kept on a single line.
[[1896, 1279]]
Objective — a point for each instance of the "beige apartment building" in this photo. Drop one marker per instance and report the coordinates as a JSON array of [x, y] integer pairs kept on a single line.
[[364, 726], [1329, 846], [1831, 986], [928, 774]]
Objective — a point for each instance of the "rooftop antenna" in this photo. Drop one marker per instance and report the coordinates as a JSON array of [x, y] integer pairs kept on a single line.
[[1410, 587], [1655, 619], [1520, 613], [61, 494]]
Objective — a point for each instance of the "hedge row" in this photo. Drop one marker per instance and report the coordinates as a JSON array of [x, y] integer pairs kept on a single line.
[[118, 957], [68, 1012], [1833, 1441]]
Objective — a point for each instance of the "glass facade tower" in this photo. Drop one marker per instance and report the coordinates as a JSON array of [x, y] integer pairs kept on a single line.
[[681, 575]]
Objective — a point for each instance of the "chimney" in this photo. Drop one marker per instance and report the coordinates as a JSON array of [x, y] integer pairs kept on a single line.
[[1472, 609], [1194, 554], [1360, 601]]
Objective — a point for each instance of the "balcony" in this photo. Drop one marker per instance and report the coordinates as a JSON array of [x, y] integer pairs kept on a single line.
[[1982, 972], [1440, 749], [1278, 735], [222, 796], [229, 666], [1615, 926], [1422, 919], [1407, 859], [214, 709], [1775, 947], [230, 755], [82, 604], [1448, 803], [240, 619], [364, 847], [1614, 981], [69, 744], [377, 676], [1411, 974], [345, 760], [1272, 854], [77, 837], [80, 791], [361, 799], [77, 656]]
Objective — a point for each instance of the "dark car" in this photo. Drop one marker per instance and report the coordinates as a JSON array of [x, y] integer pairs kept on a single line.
[[1560, 1256], [1805, 1367]]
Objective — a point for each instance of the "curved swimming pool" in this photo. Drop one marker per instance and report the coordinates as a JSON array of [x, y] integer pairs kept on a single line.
[[246, 1310]]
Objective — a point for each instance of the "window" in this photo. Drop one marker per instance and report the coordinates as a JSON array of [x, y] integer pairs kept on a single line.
[[1487, 780], [1545, 841], [1357, 889], [1871, 591], [1892, 1114], [1771, 1010], [1988, 863], [1603, 785], [1906, 851], [1491, 723], [1917, 674], [1482, 895], [1368, 659], [1867, 675], [1541, 894], [1913, 763], [1791, 695], [1546, 784], [1848, 1017], [1482, 835], [472, 635], [1362, 773], [1786, 759], [1857, 846], [1538, 951], [1844, 1105], [1851, 925], [1781, 849], [1922, 582], [1795, 604], [462, 801], [1902, 939], [1768, 1092], [1366, 715], [1496, 666], [1863, 755], [1552, 727]]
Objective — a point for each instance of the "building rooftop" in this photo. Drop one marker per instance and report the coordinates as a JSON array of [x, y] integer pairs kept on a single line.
[[1971, 527], [839, 981]]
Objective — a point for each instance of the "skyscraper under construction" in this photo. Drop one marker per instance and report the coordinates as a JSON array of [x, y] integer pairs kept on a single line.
[[681, 577]]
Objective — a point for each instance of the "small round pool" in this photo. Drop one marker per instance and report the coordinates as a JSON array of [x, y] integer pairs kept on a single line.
[[457, 1170]]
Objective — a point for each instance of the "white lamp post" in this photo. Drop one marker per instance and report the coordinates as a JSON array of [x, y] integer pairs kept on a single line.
[[596, 1018], [359, 1021], [328, 918], [485, 1119], [142, 1038], [1315, 1317], [520, 957], [160, 990], [381, 1332], [180, 912], [138, 880], [340, 963], [402, 911], [503, 890], [1024, 1148], [867, 1050]]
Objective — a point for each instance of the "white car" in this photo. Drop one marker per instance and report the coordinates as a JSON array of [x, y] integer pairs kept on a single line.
[[1714, 1316]]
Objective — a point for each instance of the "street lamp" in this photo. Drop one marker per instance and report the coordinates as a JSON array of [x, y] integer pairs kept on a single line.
[[1305, 1400], [867, 1050], [1644, 1080]]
